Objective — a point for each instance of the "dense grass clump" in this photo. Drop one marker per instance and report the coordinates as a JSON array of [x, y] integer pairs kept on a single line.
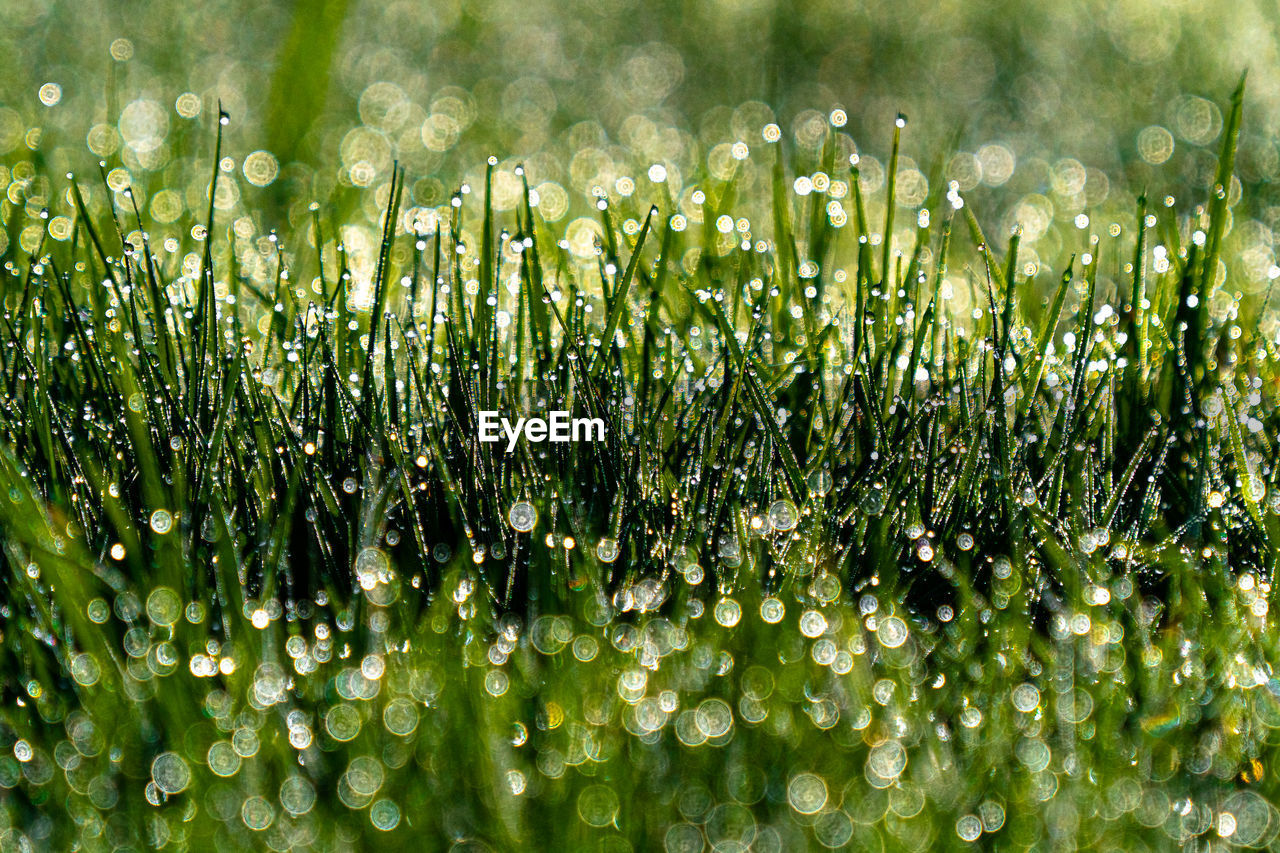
[[895, 541]]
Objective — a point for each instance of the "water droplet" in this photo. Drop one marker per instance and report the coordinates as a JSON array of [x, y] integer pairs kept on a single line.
[[297, 796], [783, 515], [820, 482], [887, 760], [598, 805], [496, 682], [385, 815], [969, 828], [807, 793], [342, 722], [161, 521], [164, 607], [223, 759], [1026, 697], [812, 623], [400, 717], [372, 567], [85, 670], [772, 610], [257, 813], [585, 648], [522, 516], [98, 611], [683, 838], [550, 634], [873, 500], [170, 773], [728, 612], [892, 632], [714, 718]]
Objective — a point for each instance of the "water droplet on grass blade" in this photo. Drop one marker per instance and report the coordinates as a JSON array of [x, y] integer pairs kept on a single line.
[[728, 612], [1026, 697], [598, 805], [98, 611], [992, 814], [683, 838], [892, 632], [496, 682], [257, 813], [783, 515], [969, 827], [731, 826], [164, 607], [887, 760], [714, 718], [522, 516], [833, 829], [825, 587], [384, 815], [820, 482], [342, 722], [550, 634], [161, 521], [297, 796], [585, 648], [400, 717], [873, 501], [170, 773], [772, 610], [365, 775], [372, 566], [85, 670], [223, 759], [812, 623], [807, 793], [1253, 819]]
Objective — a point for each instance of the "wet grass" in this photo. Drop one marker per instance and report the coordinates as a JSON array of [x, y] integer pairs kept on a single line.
[[854, 565]]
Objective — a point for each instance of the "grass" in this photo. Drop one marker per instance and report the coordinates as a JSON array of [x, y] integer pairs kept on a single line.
[[888, 546]]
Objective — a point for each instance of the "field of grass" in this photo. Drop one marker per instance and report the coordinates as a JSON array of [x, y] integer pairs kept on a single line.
[[916, 525]]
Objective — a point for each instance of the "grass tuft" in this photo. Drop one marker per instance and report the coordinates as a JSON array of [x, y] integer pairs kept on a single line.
[[893, 540]]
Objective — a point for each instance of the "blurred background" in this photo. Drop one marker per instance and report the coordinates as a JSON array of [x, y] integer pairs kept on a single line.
[[420, 81], [1039, 111]]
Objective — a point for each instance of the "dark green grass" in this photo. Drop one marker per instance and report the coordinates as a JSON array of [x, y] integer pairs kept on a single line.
[[1026, 549]]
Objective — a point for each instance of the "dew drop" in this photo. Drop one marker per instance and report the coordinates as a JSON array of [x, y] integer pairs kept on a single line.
[[170, 773], [607, 550], [892, 632], [161, 521], [728, 612], [772, 610], [522, 516], [820, 482], [807, 793], [783, 515], [812, 623]]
